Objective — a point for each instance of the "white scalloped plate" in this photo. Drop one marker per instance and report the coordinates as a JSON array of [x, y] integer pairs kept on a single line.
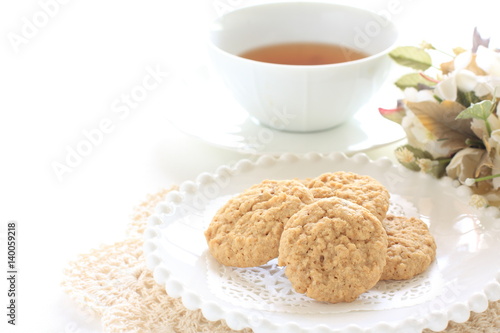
[[468, 243]]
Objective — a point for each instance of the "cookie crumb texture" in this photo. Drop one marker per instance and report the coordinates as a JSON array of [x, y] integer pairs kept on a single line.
[[246, 231], [333, 250], [362, 190], [411, 247]]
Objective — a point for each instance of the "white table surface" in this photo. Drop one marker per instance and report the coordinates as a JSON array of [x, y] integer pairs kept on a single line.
[[69, 76]]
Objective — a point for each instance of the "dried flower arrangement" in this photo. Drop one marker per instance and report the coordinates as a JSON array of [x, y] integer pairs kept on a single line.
[[450, 115]]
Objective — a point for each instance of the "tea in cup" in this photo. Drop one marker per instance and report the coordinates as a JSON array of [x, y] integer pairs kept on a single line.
[[302, 66]]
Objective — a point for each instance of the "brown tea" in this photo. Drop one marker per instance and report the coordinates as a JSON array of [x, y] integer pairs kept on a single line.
[[304, 54]]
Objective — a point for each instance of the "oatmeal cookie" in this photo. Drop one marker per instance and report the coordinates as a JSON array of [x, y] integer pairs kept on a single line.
[[411, 247], [246, 231], [362, 190], [333, 250], [304, 181]]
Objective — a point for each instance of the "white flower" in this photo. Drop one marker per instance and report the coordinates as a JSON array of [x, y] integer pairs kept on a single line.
[[488, 85], [488, 60], [426, 165], [417, 134], [495, 137], [470, 181], [447, 89], [494, 121], [414, 95], [478, 126], [404, 155], [462, 60], [482, 89], [478, 201], [466, 80], [464, 163]]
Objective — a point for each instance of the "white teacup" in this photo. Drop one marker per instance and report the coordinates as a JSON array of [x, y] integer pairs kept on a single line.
[[302, 98]]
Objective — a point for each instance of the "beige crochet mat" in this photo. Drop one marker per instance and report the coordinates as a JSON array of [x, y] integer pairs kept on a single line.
[[113, 283]]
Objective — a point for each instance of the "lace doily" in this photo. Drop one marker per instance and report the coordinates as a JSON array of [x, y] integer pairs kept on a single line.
[[267, 288], [141, 305]]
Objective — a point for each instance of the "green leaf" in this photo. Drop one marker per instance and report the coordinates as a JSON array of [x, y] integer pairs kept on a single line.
[[396, 115], [440, 170], [481, 110], [412, 80], [411, 56]]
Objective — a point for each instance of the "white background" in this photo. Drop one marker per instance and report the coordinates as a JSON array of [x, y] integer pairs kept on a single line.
[[70, 74]]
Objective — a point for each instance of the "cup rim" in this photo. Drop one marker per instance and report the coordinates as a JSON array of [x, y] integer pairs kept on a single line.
[[282, 3]]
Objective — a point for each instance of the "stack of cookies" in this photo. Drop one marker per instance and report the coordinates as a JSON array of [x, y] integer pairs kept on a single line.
[[331, 233]]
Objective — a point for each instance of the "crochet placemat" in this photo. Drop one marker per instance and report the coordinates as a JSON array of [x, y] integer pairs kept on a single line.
[[114, 283]]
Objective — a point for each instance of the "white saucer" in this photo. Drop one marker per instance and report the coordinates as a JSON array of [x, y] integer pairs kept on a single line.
[[202, 107]]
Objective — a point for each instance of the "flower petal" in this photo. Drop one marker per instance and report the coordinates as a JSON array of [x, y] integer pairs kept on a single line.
[[488, 60], [464, 164], [495, 136], [414, 95], [447, 89], [462, 60], [466, 80]]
